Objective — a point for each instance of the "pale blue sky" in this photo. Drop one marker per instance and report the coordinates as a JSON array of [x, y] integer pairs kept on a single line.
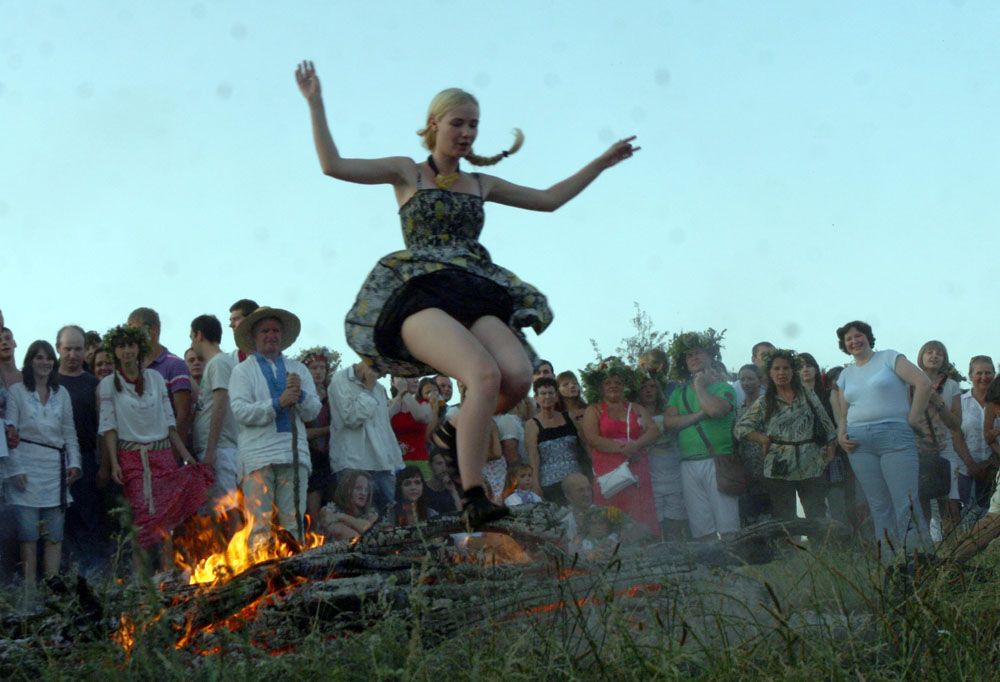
[[803, 163]]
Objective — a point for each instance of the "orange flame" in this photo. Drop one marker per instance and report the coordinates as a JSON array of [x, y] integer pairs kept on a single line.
[[240, 553], [125, 635], [632, 592], [491, 549]]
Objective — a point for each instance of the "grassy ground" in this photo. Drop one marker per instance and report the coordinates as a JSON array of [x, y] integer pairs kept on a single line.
[[812, 615]]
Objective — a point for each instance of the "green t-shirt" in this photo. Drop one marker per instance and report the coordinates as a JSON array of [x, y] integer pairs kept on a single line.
[[718, 431]]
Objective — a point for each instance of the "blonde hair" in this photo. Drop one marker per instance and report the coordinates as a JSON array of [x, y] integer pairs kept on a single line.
[[449, 99], [513, 471]]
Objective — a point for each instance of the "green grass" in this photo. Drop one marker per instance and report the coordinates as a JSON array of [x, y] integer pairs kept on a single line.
[[812, 615]]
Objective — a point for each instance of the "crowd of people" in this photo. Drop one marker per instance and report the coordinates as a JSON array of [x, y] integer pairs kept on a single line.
[[671, 447]]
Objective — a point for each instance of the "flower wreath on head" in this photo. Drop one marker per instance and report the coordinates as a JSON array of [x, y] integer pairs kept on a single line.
[[124, 335], [330, 357], [614, 516], [709, 341], [593, 376], [793, 358]]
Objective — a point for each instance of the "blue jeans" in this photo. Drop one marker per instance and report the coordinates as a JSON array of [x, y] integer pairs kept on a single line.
[[886, 465], [39, 522]]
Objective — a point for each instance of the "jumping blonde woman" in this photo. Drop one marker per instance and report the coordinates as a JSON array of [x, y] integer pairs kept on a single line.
[[442, 305]]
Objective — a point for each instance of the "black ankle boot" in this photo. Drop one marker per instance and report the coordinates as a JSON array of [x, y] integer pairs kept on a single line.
[[477, 510]]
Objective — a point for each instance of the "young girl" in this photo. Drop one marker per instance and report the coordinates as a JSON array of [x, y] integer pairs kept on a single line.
[[411, 505], [941, 419], [45, 462], [570, 396], [520, 481], [140, 437], [352, 512], [602, 529], [442, 305]]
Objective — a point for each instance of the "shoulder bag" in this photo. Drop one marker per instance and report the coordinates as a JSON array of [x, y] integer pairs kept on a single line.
[[934, 478], [621, 477]]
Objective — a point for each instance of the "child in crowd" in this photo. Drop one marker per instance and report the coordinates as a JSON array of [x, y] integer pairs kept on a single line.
[[519, 486], [411, 503], [352, 511], [602, 529]]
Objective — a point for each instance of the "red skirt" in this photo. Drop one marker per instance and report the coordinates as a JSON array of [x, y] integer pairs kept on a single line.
[[169, 495], [637, 500]]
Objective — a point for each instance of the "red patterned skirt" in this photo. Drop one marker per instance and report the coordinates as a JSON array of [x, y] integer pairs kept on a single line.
[[161, 493]]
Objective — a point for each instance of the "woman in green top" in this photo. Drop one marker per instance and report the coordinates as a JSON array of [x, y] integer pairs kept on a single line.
[[796, 435]]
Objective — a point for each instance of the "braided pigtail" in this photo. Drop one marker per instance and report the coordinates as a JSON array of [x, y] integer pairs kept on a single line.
[[477, 160]]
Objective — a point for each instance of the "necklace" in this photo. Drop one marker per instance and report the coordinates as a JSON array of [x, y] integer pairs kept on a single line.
[[442, 181]]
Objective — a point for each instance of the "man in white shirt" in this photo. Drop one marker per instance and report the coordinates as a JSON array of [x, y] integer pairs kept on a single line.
[[215, 427], [362, 437], [272, 396]]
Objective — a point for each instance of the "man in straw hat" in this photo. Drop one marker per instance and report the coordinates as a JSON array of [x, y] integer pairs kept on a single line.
[[272, 397]]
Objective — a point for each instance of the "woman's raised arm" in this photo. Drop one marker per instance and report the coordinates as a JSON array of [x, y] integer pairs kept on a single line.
[[391, 170], [503, 192]]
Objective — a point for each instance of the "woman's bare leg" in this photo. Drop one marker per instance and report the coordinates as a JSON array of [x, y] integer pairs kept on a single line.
[[437, 339], [29, 559], [51, 557], [506, 349]]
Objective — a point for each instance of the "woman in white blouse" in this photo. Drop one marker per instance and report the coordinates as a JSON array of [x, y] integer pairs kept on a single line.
[[138, 426], [975, 477], [45, 462]]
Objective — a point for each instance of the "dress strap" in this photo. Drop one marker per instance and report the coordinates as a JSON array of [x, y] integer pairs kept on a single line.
[[420, 176], [479, 182]]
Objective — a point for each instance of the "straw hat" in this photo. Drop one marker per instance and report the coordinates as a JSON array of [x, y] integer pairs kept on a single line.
[[289, 323]]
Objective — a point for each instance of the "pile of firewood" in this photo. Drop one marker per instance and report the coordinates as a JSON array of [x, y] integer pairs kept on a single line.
[[435, 575]]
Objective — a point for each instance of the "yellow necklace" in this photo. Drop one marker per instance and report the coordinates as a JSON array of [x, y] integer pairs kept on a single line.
[[442, 181]]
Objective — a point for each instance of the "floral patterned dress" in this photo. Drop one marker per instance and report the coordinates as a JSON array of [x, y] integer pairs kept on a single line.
[[444, 266]]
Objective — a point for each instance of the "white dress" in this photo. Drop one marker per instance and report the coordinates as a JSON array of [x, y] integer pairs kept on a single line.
[[52, 424]]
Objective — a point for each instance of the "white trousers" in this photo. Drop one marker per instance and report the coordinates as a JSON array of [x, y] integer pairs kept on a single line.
[[709, 511], [270, 490]]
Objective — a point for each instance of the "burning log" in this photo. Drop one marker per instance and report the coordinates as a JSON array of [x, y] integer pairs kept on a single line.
[[417, 571], [439, 577]]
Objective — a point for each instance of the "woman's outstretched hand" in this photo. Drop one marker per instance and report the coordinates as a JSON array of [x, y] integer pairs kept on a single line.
[[305, 76], [619, 151]]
